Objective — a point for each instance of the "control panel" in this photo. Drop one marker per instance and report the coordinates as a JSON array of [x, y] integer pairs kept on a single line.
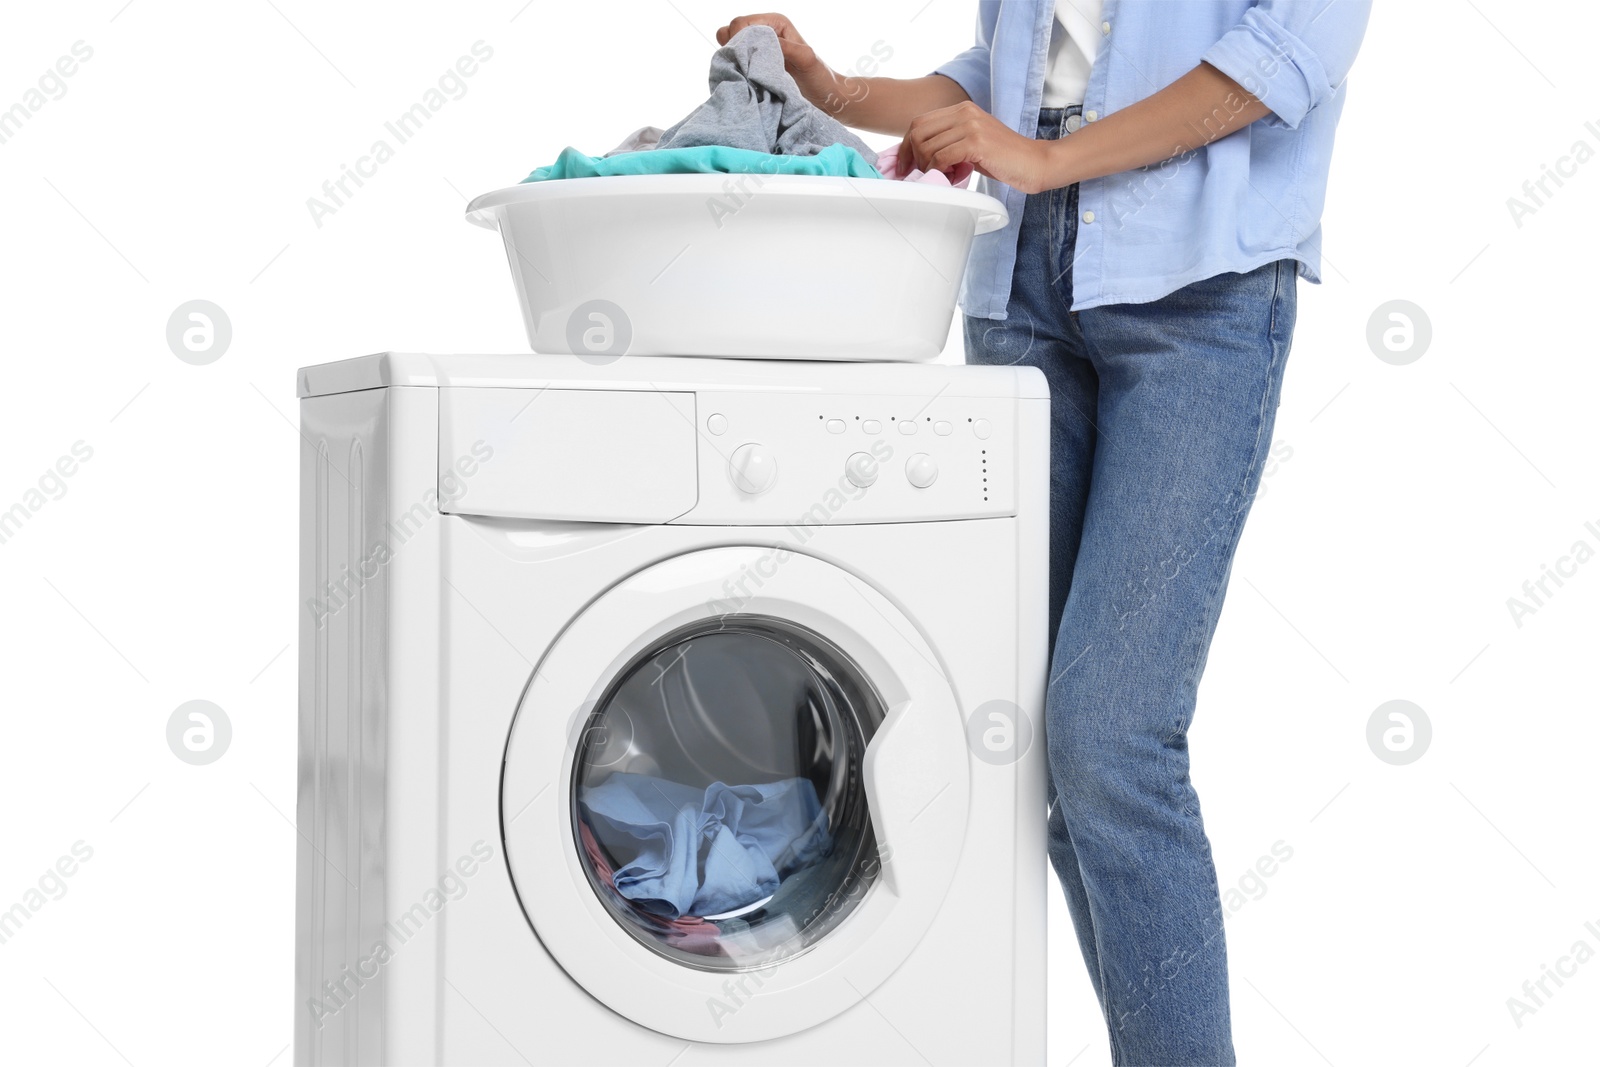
[[807, 459]]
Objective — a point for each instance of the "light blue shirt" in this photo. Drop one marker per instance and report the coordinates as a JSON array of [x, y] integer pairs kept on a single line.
[[1247, 199]]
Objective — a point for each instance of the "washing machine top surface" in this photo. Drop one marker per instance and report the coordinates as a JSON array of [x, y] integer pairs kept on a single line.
[[384, 369]]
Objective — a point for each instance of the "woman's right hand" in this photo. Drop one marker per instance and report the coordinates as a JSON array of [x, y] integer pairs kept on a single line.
[[815, 78]]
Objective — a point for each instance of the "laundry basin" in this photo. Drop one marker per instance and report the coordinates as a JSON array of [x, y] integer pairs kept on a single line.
[[763, 266]]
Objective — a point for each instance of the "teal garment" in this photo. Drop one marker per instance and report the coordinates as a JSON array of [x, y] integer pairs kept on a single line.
[[835, 160]]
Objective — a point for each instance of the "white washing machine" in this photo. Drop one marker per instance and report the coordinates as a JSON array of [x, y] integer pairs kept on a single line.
[[671, 711]]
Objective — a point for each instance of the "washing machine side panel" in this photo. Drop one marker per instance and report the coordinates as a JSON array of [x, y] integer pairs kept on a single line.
[[339, 889], [367, 936]]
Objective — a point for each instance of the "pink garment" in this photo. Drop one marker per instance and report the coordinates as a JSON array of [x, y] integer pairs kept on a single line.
[[889, 167], [689, 933]]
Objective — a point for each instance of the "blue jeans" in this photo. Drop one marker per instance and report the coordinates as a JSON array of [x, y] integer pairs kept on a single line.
[[1161, 422]]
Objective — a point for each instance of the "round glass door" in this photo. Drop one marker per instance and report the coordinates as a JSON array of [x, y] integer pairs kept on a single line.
[[717, 793]]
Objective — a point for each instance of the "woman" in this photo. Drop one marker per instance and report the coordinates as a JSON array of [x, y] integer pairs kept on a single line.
[[1164, 165]]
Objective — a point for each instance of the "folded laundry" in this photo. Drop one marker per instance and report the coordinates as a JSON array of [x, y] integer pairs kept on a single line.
[[835, 160], [693, 851], [755, 104]]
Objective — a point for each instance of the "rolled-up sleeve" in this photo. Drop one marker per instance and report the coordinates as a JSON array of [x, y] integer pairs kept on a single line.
[[971, 69], [1292, 54]]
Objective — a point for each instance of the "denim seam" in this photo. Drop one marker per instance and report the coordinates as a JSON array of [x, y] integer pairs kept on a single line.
[[1195, 642], [1236, 524]]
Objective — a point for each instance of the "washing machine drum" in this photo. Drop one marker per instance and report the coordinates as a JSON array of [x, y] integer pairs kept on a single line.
[[718, 793]]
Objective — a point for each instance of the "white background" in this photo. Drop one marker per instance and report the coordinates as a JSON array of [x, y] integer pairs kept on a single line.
[[1378, 565]]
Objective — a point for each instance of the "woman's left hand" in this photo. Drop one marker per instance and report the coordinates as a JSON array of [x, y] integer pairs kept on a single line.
[[960, 139]]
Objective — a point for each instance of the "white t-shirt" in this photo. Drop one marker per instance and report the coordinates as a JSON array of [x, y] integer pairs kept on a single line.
[[1074, 40]]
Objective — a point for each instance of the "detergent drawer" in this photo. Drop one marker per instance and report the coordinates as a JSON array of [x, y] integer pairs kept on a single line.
[[586, 455]]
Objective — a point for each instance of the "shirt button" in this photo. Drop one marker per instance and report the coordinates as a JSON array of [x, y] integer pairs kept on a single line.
[[1088, 216], [1105, 29], [1074, 123], [1091, 115]]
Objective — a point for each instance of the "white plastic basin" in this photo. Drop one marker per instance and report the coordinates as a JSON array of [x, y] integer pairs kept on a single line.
[[761, 266]]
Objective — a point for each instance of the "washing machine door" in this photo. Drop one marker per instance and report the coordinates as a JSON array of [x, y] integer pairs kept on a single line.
[[735, 793]]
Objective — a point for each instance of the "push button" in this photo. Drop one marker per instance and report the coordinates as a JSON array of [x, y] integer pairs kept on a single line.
[[908, 428], [717, 424], [861, 469], [921, 470], [872, 426], [982, 429], [942, 428], [836, 426]]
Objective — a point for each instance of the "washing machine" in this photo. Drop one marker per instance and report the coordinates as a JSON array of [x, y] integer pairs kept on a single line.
[[671, 711]]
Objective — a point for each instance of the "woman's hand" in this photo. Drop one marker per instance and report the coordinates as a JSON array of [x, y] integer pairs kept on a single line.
[[816, 79], [882, 105], [963, 138]]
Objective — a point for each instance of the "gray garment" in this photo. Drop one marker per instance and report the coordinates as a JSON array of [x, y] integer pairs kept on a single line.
[[755, 105]]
